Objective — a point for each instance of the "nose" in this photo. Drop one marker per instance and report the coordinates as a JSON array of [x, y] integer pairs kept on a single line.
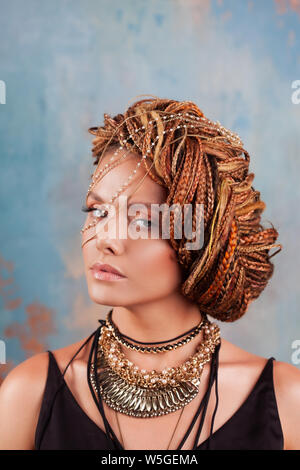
[[109, 245], [107, 235]]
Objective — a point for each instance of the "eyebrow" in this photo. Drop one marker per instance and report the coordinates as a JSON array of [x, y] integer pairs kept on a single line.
[[99, 199]]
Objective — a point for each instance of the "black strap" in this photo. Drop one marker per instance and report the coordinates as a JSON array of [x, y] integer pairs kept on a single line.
[[216, 368], [203, 404], [112, 440], [62, 383]]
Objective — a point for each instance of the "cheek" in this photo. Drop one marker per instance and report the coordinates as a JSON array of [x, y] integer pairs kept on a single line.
[[156, 262], [89, 255]]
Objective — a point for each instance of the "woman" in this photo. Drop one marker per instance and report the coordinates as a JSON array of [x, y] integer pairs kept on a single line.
[[143, 379]]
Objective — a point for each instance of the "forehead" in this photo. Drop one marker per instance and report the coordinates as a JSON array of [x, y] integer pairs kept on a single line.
[[112, 179]]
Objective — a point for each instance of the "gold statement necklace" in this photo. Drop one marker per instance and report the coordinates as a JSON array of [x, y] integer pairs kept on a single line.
[[137, 392]]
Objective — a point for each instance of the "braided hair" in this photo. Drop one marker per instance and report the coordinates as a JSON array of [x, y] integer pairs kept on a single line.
[[201, 165]]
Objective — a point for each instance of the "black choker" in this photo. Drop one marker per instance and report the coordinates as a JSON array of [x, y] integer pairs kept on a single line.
[[190, 334]]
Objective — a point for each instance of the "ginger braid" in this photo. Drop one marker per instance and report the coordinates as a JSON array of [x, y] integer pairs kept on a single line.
[[198, 164]]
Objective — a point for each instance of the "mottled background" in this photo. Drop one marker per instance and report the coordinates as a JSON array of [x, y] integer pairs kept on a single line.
[[64, 64]]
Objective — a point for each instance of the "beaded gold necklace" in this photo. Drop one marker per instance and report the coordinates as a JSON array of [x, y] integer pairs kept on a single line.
[[141, 393]]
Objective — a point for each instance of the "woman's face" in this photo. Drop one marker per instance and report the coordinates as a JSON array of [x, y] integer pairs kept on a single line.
[[149, 264]]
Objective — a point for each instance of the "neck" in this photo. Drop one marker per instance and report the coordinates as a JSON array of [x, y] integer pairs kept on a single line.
[[158, 321]]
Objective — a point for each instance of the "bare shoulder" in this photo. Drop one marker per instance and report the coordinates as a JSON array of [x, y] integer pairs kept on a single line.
[[32, 371], [232, 356], [243, 365], [65, 354], [20, 398], [21, 395], [287, 391]]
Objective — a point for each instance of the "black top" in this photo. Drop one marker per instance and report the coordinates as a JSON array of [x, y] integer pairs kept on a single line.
[[63, 424]]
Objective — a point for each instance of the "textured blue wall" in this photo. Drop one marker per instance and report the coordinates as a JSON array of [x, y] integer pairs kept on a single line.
[[64, 64]]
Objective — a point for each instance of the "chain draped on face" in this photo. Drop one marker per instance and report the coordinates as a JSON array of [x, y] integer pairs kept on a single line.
[[189, 122]]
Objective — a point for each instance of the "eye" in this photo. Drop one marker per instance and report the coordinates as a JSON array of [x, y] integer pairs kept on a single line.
[[147, 222], [99, 213], [102, 212]]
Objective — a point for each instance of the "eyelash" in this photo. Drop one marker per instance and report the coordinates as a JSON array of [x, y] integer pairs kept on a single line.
[[91, 209], [88, 209]]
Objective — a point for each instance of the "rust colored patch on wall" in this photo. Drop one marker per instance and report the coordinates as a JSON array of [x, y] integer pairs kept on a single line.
[[282, 6], [39, 323], [32, 335], [13, 304], [5, 369]]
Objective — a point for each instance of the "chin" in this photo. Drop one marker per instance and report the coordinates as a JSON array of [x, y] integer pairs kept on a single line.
[[103, 294], [98, 297]]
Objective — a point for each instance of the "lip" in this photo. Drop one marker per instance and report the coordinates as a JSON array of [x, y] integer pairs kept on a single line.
[[106, 272]]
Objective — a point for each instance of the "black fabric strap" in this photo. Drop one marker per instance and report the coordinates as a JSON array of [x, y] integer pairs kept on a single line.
[[112, 440], [203, 404], [214, 377], [217, 399], [62, 383]]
